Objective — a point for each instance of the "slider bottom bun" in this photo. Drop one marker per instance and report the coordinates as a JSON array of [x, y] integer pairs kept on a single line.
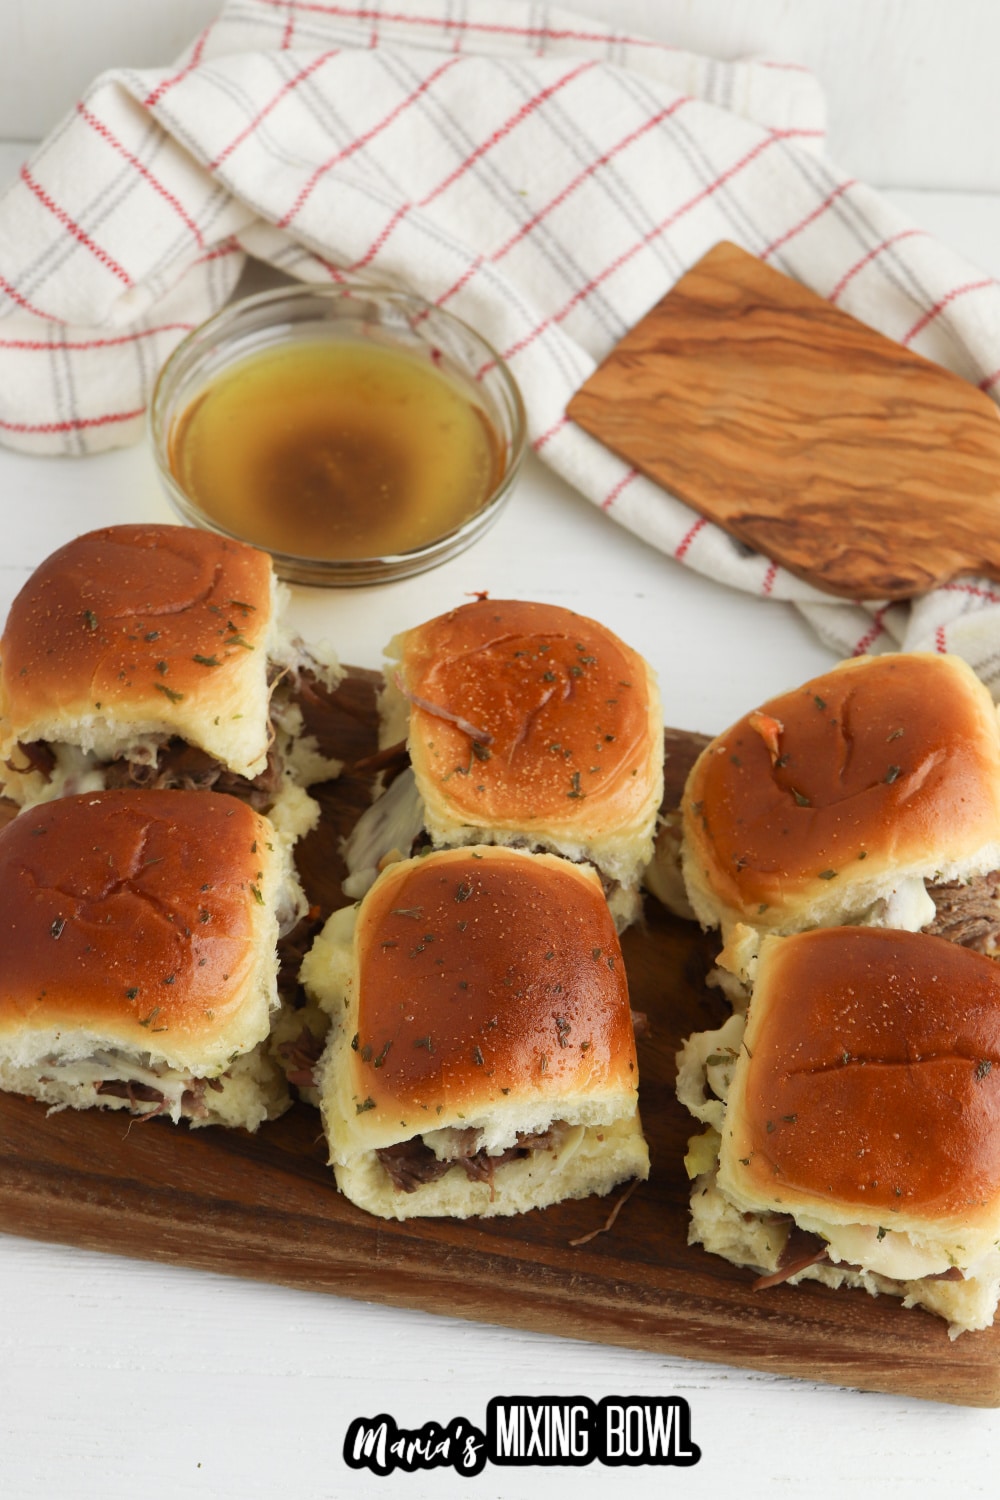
[[250, 1091], [481, 1058], [581, 1160], [853, 1121], [968, 1305]]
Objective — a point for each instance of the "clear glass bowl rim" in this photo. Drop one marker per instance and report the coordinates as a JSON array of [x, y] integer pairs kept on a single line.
[[179, 375]]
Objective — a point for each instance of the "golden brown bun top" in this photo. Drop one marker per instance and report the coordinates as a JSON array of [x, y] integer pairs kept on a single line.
[[563, 706], [879, 765], [488, 974], [135, 915], [871, 1078], [149, 617]]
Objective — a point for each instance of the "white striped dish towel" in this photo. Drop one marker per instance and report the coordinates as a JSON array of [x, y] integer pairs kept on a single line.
[[544, 176]]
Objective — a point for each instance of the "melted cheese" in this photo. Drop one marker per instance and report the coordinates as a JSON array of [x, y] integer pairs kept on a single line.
[[908, 907], [388, 827]]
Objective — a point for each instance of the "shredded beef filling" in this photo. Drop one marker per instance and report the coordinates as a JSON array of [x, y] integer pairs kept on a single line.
[[178, 766], [40, 757], [392, 760], [193, 1106], [309, 689], [968, 913], [135, 1093], [299, 1058], [802, 1250], [412, 1163], [292, 949], [183, 767]]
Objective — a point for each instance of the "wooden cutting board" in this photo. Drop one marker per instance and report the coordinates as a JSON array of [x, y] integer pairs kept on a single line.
[[265, 1206], [860, 466]]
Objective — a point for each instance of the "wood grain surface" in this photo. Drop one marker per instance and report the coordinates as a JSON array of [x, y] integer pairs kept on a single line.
[[265, 1206], [860, 466]]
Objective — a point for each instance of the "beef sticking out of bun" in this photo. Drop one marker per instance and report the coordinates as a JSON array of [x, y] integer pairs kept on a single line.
[[854, 1121], [869, 795], [481, 1058], [138, 934], [525, 724], [155, 656]]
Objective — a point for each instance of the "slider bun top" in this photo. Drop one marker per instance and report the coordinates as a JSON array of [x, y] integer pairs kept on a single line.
[[571, 747], [868, 1087], [818, 804], [139, 630], [142, 920], [487, 989]]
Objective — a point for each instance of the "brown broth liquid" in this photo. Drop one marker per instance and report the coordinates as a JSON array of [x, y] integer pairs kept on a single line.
[[333, 448]]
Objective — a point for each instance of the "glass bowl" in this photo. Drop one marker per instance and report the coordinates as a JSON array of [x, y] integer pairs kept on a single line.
[[335, 427]]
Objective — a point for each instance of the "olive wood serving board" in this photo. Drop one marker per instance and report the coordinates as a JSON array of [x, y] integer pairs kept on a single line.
[[265, 1206], [860, 466]]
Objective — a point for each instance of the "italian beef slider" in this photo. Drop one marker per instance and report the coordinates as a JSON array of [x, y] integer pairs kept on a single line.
[[481, 1058], [138, 962], [869, 795], [523, 723], [854, 1120], [156, 656]]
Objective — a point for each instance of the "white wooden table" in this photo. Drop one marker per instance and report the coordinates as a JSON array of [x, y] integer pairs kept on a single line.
[[120, 1378]]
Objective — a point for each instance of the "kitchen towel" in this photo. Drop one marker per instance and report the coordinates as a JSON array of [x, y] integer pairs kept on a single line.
[[542, 175]]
